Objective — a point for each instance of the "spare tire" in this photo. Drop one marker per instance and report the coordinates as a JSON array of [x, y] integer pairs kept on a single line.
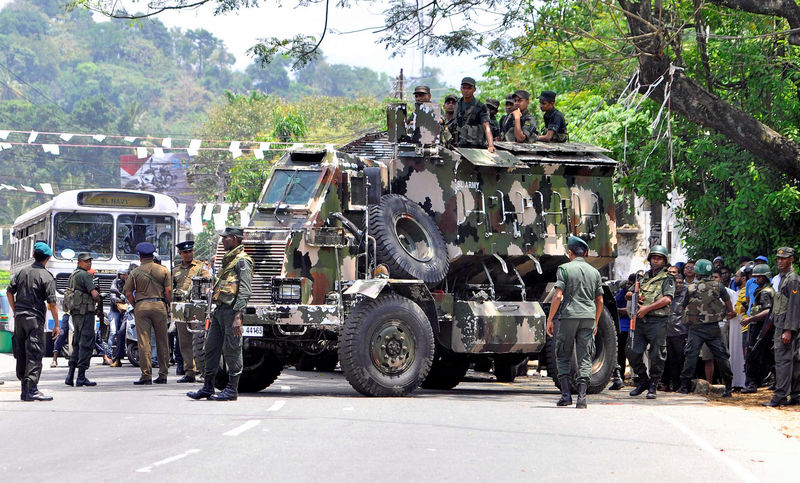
[[603, 361], [408, 241]]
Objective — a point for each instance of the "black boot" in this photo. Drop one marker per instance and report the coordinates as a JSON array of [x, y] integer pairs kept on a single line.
[[566, 395], [187, 378], [618, 383], [206, 391], [728, 388], [651, 393], [750, 389], [35, 395], [70, 380], [23, 395], [230, 393], [581, 403], [686, 385], [82, 380], [641, 387]]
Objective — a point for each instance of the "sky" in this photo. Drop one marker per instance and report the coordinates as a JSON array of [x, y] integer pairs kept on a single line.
[[240, 30]]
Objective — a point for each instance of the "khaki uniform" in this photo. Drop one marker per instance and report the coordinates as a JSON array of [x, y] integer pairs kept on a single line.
[[150, 312], [232, 291], [652, 329], [581, 283], [182, 280]]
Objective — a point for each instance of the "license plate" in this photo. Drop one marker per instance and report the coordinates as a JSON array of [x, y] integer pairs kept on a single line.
[[253, 330]]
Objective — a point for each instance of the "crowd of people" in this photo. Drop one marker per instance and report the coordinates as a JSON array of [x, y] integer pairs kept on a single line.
[[741, 325]]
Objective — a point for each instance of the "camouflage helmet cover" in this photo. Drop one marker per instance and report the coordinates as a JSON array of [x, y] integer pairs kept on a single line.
[[703, 267], [658, 250]]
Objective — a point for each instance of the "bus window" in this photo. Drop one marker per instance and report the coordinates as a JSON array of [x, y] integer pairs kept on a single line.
[[134, 229], [83, 232]]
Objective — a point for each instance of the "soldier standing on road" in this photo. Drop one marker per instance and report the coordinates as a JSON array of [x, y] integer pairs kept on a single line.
[[786, 316], [232, 291], [579, 296], [493, 105], [182, 274], [656, 291], [555, 125], [707, 304], [83, 309], [519, 126], [27, 292], [472, 128], [153, 286], [760, 354]]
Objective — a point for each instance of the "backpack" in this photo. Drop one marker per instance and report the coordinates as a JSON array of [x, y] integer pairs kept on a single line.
[[69, 295]]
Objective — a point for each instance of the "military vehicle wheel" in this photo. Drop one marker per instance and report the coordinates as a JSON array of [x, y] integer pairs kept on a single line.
[[447, 370], [261, 368], [132, 351], [386, 346], [408, 241], [506, 366], [605, 356]]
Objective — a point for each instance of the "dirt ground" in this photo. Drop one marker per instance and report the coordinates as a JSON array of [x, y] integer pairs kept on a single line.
[[786, 418]]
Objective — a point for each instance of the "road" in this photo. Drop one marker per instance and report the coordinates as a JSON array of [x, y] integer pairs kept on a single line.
[[313, 426]]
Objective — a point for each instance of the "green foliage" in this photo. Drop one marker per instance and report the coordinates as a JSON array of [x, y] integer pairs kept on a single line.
[[205, 244]]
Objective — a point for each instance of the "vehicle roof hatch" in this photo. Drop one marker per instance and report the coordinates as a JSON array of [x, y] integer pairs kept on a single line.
[[497, 159]]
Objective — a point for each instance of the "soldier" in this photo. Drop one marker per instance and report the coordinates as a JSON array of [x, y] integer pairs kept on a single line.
[[761, 330], [153, 286], [85, 300], [555, 125], [707, 303], [422, 94], [493, 105], [656, 290], [27, 292], [519, 126], [472, 128], [182, 274], [786, 317], [577, 321], [449, 119], [231, 293]]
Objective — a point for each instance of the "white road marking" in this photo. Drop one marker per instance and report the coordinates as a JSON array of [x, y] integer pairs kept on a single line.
[[348, 408], [171, 459], [276, 405], [741, 471], [285, 388], [241, 429]]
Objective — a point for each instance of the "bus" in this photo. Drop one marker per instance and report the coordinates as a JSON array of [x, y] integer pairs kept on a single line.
[[108, 223]]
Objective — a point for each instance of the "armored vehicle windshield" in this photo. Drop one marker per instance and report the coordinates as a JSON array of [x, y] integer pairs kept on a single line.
[[291, 187]]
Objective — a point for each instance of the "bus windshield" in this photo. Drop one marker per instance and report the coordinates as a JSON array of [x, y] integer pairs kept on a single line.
[[134, 229], [291, 187], [83, 232]]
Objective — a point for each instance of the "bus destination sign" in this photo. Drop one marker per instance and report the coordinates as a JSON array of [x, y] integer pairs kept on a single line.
[[116, 199]]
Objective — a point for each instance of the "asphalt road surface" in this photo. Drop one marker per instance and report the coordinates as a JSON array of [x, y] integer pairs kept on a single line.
[[313, 426]]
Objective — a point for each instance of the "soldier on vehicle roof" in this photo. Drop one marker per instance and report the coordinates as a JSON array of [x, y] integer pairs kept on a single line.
[[182, 274], [579, 286], [472, 128], [422, 94], [519, 126], [449, 119], [555, 125], [493, 105]]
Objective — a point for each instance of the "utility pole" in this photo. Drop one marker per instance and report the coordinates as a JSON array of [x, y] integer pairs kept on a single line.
[[398, 86]]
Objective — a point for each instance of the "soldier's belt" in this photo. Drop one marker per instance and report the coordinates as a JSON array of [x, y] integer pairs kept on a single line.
[[150, 300]]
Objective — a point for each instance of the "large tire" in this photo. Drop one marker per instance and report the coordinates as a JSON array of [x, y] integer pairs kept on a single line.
[[603, 362], [408, 241], [506, 366], [386, 346], [132, 351], [447, 370], [261, 368]]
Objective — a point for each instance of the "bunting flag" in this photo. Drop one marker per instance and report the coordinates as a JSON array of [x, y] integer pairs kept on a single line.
[[196, 219], [208, 211]]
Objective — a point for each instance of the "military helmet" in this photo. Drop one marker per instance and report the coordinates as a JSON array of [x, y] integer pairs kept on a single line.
[[762, 269], [659, 250], [703, 267]]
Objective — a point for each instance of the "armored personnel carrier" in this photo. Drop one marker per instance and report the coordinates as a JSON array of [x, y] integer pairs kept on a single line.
[[410, 260]]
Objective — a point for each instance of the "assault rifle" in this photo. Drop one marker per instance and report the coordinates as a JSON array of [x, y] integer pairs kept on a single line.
[[635, 299]]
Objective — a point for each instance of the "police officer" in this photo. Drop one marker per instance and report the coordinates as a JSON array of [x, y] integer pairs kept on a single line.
[[493, 105], [519, 126], [27, 292], [579, 296], [153, 288], [85, 300], [555, 125], [707, 303], [182, 274], [656, 290], [472, 128], [786, 317], [760, 357], [232, 291]]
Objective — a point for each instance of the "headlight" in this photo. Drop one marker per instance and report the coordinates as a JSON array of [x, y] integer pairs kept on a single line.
[[286, 291]]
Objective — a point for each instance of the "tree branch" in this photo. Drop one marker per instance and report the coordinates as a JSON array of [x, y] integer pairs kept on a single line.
[[788, 9]]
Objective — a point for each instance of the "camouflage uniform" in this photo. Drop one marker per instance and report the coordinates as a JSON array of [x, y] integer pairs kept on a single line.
[[652, 329], [704, 309], [580, 283], [526, 124], [182, 280], [469, 120]]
